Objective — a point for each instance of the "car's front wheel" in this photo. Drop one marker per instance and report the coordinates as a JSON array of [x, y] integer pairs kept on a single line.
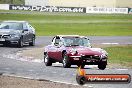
[[32, 43], [102, 65], [20, 43], [47, 60], [66, 62]]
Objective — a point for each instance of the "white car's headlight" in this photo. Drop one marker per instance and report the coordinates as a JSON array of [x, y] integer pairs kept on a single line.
[[14, 36]]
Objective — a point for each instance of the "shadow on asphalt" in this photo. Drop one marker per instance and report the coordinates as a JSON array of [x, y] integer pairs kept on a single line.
[[15, 46], [70, 67]]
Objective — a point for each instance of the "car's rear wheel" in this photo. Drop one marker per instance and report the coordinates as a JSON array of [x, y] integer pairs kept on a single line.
[[66, 62], [20, 43], [32, 43], [102, 65], [47, 60]]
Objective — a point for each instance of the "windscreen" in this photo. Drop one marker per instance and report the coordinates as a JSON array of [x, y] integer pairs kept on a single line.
[[76, 41], [11, 25]]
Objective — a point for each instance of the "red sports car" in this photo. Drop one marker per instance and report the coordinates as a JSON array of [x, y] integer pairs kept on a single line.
[[74, 50]]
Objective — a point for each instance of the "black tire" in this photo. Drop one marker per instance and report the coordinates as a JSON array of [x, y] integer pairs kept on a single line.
[[66, 62], [102, 65], [47, 60], [33, 42], [82, 66], [20, 43]]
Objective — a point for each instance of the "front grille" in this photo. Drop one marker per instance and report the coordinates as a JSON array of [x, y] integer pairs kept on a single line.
[[4, 36], [90, 57]]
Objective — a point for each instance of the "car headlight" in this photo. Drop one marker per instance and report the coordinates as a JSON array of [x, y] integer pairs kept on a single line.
[[104, 53], [14, 36], [73, 51], [103, 56]]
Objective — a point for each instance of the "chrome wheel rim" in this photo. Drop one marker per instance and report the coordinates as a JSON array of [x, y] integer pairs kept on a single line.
[[21, 43], [46, 59], [64, 61]]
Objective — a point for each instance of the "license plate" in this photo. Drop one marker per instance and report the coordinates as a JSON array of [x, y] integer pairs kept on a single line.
[[76, 58], [88, 60], [2, 39]]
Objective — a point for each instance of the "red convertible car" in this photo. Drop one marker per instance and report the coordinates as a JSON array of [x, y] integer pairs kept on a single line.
[[74, 50]]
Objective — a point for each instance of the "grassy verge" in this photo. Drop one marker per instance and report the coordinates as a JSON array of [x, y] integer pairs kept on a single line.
[[76, 23], [120, 55], [12, 2]]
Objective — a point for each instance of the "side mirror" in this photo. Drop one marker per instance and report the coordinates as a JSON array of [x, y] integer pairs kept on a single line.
[[25, 29]]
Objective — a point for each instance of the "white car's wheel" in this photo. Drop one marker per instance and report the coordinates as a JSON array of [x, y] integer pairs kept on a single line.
[[33, 42], [20, 43]]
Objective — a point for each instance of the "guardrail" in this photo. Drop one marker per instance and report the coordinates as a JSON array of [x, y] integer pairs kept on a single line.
[[107, 10], [97, 10], [48, 8], [4, 6]]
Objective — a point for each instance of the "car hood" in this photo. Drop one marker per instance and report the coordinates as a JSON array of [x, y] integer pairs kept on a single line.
[[85, 50], [9, 31]]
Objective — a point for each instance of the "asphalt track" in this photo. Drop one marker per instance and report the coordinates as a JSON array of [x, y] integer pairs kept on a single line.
[[56, 73]]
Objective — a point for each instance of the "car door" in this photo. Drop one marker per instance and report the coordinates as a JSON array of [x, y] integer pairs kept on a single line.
[[52, 49], [31, 32], [58, 48]]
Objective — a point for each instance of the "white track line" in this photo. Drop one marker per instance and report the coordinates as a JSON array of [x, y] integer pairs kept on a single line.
[[122, 69], [110, 43]]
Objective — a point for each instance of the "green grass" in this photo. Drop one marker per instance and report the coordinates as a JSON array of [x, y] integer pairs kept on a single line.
[[75, 23], [84, 29], [12, 2], [120, 55]]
